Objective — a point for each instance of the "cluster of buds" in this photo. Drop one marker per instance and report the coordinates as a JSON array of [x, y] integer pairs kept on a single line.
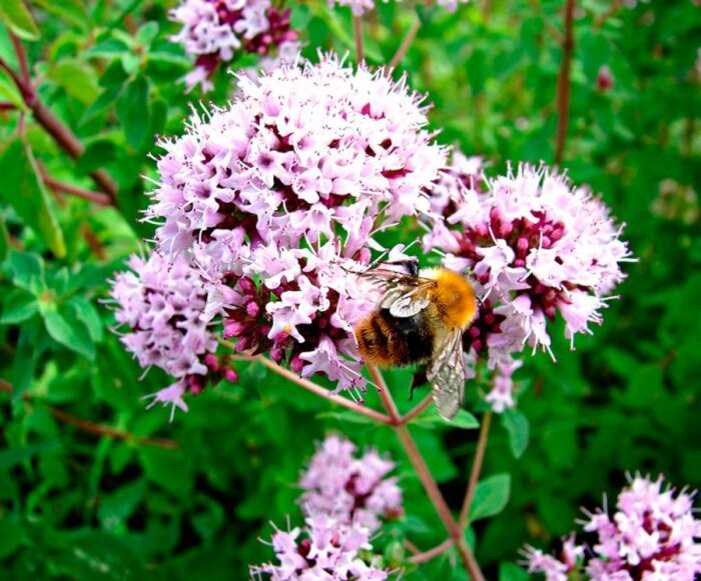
[[214, 30], [652, 536]]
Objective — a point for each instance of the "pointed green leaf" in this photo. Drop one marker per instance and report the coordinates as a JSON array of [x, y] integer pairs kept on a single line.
[[18, 306], [24, 191], [516, 425], [65, 328], [491, 496], [133, 111], [77, 78], [18, 19]]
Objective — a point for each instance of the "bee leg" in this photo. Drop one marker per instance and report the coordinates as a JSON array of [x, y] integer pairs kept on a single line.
[[418, 380]]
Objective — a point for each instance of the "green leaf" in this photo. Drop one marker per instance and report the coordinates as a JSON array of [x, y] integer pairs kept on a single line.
[[120, 505], [18, 306], [516, 425], [11, 536], [511, 572], [77, 78], [27, 271], [463, 420], [108, 48], [147, 33], [24, 191], [66, 329], [87, 313], [9, 91], [13, 456], [491, 496], [133, 111], [18, 18]]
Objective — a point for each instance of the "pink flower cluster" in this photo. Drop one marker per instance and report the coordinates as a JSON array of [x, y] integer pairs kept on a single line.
[[164, 302], [653, 536], [272, 200], [324, 549], [167, 306], [352, 490], [213, 30], [343, 501], [535, 246]]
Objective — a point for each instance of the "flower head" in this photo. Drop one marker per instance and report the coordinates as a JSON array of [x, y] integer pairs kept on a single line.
[[213, 30], [324, 549], [353, 490], [277, 197], [535, 247], [653, 535]]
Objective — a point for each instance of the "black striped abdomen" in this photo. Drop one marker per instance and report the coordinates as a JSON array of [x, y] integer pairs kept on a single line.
[[387, 340]]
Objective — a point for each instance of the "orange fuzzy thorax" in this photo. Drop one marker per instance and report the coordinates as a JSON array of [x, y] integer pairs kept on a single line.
[[453, 297]]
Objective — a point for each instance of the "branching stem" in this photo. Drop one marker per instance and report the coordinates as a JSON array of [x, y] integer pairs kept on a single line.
[[476, 469]]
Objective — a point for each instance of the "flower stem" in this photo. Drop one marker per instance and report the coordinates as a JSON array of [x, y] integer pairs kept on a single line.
[[61, 134], [358, 36], [476, 469], [563, 83], [63, 187], [94, 428], [431, 553], [427, 480], [406, 43], [417, 410], [318, 390]]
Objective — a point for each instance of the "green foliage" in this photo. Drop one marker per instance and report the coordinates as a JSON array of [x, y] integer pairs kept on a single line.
[[80, 504]]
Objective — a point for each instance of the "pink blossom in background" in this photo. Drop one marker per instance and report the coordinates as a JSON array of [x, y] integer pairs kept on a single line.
[[214, 30], [535, 247], [653, 536], [352, 490], [323, 549], [360, 7], [604, 79]]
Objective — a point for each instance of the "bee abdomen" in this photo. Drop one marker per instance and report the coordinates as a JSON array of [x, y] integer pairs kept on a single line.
[[387, 340]]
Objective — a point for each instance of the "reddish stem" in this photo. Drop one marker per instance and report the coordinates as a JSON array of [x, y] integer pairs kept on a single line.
[[563, 83], [62, 134], [431, 553], [94, 428], [475, 471]]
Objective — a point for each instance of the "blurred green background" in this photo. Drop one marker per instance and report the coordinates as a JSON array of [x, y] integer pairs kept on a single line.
[[159, 499]]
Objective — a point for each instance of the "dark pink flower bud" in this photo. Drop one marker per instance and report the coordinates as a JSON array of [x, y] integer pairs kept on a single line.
[[252, 309]]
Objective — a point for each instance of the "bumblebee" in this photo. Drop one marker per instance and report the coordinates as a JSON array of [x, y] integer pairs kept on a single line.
[[421, 318]]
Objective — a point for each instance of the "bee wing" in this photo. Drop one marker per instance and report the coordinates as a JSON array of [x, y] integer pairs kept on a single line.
[[404, 304], [447, 375]]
